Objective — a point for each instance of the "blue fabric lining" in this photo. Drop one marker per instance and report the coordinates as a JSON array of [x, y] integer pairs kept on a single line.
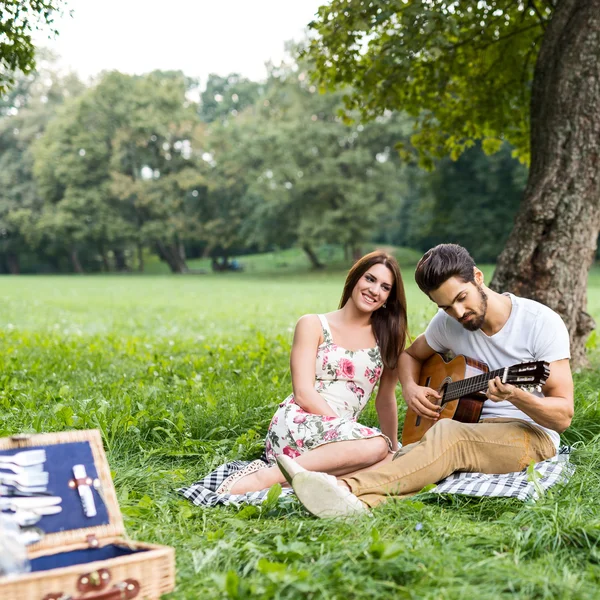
[[80, 557], [60, 459]]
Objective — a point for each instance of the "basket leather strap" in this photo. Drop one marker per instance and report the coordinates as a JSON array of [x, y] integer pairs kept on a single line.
[[127, 589]]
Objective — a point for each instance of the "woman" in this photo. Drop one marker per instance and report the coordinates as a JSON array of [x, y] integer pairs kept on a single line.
[[356, 347]]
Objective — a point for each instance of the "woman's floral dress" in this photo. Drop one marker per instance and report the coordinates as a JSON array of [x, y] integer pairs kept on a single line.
[[345, 379]]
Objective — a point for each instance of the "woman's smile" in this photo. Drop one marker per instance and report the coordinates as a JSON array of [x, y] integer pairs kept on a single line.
[[374, 288]]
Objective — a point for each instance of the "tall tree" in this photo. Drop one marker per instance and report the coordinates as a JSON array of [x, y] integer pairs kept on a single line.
[[227, 96], [526, 71], [553, 244], [443, 205], [309, 177], [117, 169], [25, 112]]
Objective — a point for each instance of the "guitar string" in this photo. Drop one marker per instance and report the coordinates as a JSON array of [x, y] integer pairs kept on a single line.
[[479, 382], [456, 389], [463, 387]]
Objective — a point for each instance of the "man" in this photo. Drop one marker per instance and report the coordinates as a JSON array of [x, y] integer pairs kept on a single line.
[[516, 426]]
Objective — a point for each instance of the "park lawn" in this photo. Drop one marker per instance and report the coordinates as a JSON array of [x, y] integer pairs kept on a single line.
[[183, 373]]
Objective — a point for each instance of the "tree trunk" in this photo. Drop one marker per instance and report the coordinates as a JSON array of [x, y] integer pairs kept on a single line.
[[140, 257], [12, 262], [314, 259], [553, 243], [170, 254], [74, 255], [105, 261], [121, 260]]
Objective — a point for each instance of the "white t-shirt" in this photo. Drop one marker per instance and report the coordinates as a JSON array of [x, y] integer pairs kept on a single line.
[[533, 332]]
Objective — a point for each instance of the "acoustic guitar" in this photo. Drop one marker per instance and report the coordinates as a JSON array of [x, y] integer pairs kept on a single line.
[[460, 383]]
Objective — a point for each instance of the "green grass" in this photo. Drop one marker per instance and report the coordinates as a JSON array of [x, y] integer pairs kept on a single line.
[[183, 373]]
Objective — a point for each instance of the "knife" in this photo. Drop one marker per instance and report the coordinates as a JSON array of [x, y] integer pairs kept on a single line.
[[85, 491], [31, 502]]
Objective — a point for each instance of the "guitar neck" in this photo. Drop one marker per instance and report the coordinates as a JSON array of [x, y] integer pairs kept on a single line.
[[471, 385]]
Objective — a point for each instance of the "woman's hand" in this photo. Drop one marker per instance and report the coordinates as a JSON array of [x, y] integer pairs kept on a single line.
[[387, 406]]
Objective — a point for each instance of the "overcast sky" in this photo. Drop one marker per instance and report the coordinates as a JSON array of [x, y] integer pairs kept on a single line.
[[196, 36]]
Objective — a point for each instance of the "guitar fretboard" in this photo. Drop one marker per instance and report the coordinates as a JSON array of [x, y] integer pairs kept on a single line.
[[472, 385]]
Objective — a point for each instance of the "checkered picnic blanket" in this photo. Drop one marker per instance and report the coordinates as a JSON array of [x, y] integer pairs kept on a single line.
[[528, 484], [524, 485], [202, 493]]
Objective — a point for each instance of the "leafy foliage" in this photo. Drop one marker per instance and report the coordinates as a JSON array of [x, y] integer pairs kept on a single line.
[[308, 177], [18, 20], [38, 96], [443, 206], [461, 69], [115, 166], [99, 178], [227, 96]]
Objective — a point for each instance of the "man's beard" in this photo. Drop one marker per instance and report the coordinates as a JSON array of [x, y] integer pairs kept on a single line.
[[477, 316]]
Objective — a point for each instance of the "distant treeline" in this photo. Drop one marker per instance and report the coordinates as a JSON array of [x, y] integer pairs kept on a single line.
[[93, 178]]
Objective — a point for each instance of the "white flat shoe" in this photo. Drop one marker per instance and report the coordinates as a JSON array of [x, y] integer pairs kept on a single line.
[[289, 467], [320, 493], [322, 497]]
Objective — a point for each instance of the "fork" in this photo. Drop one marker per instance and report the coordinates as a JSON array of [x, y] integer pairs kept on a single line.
[[25, 458], [25, 479], [18, 469]]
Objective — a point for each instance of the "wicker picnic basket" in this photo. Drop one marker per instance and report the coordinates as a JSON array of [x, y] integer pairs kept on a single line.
[[94, 562]]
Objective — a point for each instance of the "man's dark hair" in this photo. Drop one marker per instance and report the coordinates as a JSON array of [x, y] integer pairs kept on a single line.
[[442, 262]]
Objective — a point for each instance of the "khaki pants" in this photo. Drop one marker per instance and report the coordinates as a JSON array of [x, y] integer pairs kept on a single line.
[[490, 446]]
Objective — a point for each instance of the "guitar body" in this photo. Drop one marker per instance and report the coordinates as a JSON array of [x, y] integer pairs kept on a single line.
[[436, 373]]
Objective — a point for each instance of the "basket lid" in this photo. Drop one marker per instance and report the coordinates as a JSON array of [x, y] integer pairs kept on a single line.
[[64, 451]]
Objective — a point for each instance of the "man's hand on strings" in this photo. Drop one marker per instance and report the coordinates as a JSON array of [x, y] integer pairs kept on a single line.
[[499, 392], [421, 400]]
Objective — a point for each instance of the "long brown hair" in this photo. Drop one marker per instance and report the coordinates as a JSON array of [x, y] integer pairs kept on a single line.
[[389, 323]]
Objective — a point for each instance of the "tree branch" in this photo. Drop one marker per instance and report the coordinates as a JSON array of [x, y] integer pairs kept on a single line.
[[531, 4], [500, 39]]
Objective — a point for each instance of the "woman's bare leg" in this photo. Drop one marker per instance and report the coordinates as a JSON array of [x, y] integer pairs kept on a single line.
[[376, 465], [335, 458], [381, 463]]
